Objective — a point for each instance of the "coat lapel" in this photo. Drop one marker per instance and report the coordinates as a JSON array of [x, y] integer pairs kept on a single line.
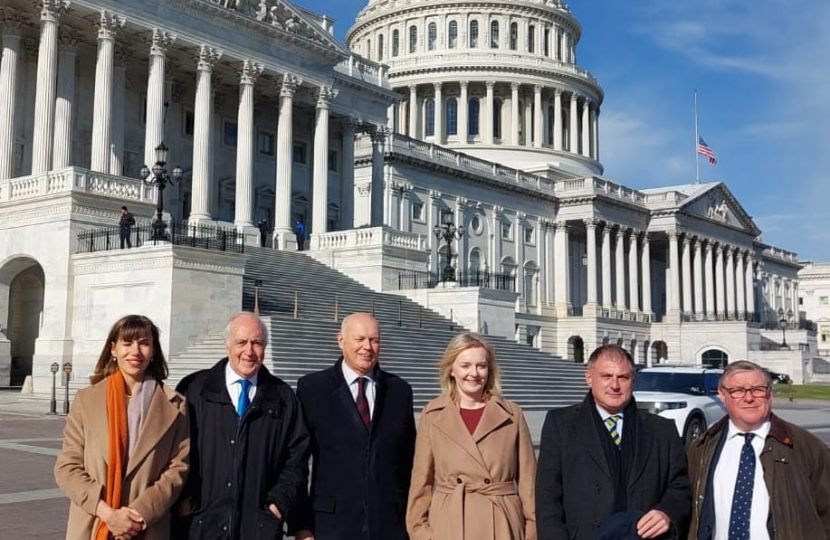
[[449, 422], [380, 398], [642, 448], [99, 423], [343, 396], [587, 434], [496, 414], [160, 417]]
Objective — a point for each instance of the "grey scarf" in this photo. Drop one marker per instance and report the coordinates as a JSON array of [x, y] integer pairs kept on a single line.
[[137, 410]]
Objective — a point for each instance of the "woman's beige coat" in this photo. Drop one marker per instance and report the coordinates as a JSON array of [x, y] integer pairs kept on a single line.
[[472, 487], [154, 474]]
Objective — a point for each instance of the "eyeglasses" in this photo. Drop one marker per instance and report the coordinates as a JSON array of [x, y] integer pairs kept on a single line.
[[740, 393]]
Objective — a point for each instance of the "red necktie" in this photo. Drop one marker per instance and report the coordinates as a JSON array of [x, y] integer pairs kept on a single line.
[[362, 402]]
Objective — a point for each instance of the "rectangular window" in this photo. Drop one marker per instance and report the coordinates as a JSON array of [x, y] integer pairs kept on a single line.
[[188, 123], [300, 152], [265, 143], [417, 211], [823, 300], [229, 133], [824, 333], [529, 235], [506, 230], [333, 161]]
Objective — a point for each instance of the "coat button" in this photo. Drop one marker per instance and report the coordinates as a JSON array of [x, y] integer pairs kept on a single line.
[[460, 481], [486, 480]]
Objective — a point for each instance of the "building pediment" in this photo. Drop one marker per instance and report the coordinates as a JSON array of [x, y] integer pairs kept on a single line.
[[717, 204]]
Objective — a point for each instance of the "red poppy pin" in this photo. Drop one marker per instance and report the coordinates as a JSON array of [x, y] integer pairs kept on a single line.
[[787, 440]]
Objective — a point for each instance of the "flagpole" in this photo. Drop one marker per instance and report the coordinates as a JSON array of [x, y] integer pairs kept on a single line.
[[697, 142]]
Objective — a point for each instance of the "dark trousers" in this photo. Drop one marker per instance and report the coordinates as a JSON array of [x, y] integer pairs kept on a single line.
[[125, 237], [300, 242]]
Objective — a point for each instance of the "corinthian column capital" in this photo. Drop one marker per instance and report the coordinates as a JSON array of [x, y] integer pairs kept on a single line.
[[289, 85], [109, 24], [249, 72], [207, 58], [160, 41], [325, 95]]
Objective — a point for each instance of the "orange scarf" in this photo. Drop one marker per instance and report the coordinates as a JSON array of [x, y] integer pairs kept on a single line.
[[117, 448]]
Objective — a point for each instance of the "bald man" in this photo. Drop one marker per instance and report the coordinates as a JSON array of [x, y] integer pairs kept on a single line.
[[362, 430]]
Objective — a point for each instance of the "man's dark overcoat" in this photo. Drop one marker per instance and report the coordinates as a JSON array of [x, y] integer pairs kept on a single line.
[[360, 477], [240, 466], [574, 485]]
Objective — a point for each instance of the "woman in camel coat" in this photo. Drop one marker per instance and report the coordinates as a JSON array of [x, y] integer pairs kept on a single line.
[[133, 500], [474, 470]]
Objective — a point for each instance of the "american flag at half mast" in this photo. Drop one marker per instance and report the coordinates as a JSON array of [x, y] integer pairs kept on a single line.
[[703, 149]]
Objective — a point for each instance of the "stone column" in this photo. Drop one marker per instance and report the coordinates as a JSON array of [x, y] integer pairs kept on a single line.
[[119, 91], [405, 211], [730, 282], [108, 25], [750, 284], [378, 139], [47, 71], [413, 111], [154, 132], [562, 262], [202, 182], [549, 260], [586, 128], [739, 285], [539, 128], [633, 277], [595, 132], [487, 129], [439, 114], [574, 135], [65, 97], [319, 211], [591, 233], [646, 264], [620, 302], [528, 122], [557, 121], [464, 114], [710, 282], [12, 25], [720, 300], [674, 263], [347, 129], [514, 116], [284, 237], [699, 308], [687, 274], [245, 145], [606, 266]]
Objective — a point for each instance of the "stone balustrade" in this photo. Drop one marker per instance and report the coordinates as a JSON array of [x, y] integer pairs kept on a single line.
[[369, 237], [75, 179]]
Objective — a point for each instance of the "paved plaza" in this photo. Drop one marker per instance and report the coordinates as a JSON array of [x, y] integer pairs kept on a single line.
[[32, 508]]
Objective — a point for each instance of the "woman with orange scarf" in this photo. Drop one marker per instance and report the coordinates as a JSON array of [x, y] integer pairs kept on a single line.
[[126, 441]]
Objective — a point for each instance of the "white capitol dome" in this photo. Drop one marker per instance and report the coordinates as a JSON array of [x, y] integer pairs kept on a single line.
[[515, 58]]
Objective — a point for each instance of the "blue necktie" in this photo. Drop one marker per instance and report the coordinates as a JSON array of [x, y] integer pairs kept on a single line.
[[742, 498], [244, 399]]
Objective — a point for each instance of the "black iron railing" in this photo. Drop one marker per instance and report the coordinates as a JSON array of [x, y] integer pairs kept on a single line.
[[149, 234], [430, 280]]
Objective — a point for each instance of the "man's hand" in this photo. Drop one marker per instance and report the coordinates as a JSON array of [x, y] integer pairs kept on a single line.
[[653, 524], [304, 534], [274, 510], [122, 523]]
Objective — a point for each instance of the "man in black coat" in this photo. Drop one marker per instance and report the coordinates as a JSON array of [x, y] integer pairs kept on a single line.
[[125, 225], [248, 447], [362, 429], [603, 457]]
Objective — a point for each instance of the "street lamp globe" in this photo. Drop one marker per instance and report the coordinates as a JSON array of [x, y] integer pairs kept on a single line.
[[161, 153]]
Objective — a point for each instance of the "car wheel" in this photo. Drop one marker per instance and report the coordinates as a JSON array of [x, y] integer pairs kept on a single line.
[[694, 429]]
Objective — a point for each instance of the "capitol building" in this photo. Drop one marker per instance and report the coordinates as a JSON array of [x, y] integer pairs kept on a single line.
[[474, 118]]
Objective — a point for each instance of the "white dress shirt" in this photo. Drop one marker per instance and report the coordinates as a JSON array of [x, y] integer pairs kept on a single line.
[[726, 473], [371, 386], [232, 379], [604, 415]]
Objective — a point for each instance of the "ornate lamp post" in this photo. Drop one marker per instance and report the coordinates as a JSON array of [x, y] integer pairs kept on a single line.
[[783, 319], [160, 179], [448, 232]]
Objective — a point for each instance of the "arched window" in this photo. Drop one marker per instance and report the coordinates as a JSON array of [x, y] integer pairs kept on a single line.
[[380, 48], [475, 262], [432, 30], [430, 118], [413, 39], [396, 42], [715, 358], [453, 34], [551, 124], [452, 116], [473, 120], [494, 35], [473, 34], [547, 41], [531, 39], [514, 36], [497, 118]]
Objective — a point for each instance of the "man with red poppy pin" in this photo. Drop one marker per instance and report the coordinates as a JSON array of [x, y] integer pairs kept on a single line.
[[754, 475]]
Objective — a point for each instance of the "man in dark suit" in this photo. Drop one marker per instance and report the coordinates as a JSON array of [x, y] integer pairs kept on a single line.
[[362, 430], [603, 458]]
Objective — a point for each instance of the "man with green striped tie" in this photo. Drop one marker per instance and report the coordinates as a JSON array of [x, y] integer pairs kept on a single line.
[[604, 458]]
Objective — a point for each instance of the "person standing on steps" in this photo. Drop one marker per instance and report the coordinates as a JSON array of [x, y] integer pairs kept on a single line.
[[125, 226], [362, 429], [263, 232], [299, 230], [249, 451]]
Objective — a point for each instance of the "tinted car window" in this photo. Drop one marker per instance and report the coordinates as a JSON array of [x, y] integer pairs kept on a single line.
[[668, 382], [711, 381]]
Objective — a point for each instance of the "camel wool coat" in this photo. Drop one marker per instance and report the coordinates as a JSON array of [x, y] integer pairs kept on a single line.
[[154, 474], [472, 487]]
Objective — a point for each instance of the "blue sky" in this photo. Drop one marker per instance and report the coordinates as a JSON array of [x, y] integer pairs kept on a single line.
[[762, 71]]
